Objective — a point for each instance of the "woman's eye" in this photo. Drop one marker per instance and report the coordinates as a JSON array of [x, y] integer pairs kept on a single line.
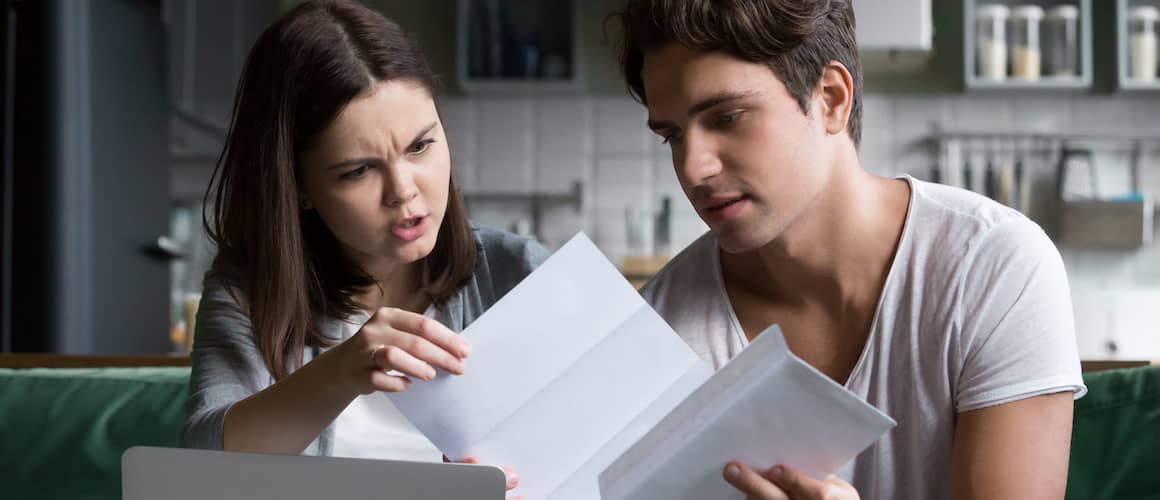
[[356, 173], [672, 138], [420, 146]]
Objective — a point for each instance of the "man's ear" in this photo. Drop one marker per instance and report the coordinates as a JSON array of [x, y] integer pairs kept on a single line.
[[836, 87]]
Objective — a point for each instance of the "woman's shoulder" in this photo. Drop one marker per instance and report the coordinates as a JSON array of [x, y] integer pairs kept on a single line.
[[502, 250], [505, 259]]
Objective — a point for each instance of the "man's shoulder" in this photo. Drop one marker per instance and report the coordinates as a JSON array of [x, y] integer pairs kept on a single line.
[[964, 244], [940, 204], [954, 226]]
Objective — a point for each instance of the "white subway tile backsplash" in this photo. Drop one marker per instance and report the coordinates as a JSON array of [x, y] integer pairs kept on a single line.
[[685, 230], [557, 171], [976, 113], [564, 144], [1042, 113], [1094, 322], [458, 117], [877, 121], [499, 215], [623, 182], [1098, 269], [1147, 114], [621, 128], [1137, 329], [611, 233], [914, 118], [664, 178], [565, 125], [561, 224], [465, 173], [506, 155], [1097, 113], [877, 159]]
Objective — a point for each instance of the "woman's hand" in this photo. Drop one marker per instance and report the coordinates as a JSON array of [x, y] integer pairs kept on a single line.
[[396, 340], [784, 483]]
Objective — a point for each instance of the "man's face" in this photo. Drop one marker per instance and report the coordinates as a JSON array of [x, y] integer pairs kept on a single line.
[[746, 156]]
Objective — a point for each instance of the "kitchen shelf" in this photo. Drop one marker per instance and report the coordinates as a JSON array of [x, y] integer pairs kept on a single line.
[[1122, 67], [513, 47], [1079, 83]]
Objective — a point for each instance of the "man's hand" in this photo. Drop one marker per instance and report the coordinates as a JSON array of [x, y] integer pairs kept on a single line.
[[784, 483], [513, 479]]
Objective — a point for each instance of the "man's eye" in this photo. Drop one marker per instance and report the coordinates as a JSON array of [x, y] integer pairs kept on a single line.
[[731, 117]]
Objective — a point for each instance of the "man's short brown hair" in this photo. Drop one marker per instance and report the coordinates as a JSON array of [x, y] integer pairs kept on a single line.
[[796, 38]]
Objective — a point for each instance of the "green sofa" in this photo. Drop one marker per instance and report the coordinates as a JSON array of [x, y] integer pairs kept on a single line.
[[62, 430]]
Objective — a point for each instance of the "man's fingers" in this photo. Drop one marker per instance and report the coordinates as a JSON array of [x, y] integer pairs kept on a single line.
[[513, 479], [752, 484], [510, 475], [795, 483]]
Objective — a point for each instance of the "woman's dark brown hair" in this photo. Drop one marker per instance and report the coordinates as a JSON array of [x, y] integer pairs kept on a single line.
[[299, 75], [796, 38]]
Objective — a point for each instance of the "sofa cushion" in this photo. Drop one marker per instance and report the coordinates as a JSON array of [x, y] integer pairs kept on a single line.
[[64, 430], [1115, 444]]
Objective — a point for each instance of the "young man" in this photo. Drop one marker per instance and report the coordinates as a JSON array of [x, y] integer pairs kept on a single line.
[[948, 311]]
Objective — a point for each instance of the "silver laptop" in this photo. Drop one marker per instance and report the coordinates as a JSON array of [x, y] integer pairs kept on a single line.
[[149, 473]]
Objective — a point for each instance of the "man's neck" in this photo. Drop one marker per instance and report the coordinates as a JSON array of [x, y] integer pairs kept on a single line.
[[837, 254]]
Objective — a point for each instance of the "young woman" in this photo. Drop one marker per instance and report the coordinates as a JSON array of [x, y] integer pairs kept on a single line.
[[346, 263]]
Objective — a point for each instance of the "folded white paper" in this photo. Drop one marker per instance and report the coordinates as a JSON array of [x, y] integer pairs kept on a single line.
[[765, 407], [572, 367]]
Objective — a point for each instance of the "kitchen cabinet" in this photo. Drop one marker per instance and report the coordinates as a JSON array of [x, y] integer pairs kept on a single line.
[[516, 47], [894, 25], [1136, 48], [1008, 45], [894, 36]]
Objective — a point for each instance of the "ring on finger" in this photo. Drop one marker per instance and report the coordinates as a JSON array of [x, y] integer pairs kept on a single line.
[[375, 354]]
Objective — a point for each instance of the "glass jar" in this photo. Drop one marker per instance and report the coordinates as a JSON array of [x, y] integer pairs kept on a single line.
[[1026, 60], [1143, 25], [991, 40], [1061, 41]]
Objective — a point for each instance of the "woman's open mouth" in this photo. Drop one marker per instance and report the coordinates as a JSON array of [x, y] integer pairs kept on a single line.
[[410, 229]]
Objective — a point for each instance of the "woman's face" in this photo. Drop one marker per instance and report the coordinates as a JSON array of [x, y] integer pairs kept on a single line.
[[379, 175]]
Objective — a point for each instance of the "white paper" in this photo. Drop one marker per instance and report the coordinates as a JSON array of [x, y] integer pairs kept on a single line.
[[572, 367], [765, 407], [567, 371]]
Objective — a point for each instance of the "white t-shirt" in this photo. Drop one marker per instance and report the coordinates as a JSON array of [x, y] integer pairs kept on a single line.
[[372, 427], [976, 312]]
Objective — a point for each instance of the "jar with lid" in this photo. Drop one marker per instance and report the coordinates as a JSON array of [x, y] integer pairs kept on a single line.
[[1061, 41], [1143, 25], [1026, 57], [991, 40]]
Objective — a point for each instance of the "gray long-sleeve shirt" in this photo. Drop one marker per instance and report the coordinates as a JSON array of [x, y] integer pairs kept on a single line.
[[227, 366]]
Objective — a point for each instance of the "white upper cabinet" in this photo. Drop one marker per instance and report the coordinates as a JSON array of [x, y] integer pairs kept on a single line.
[[894, 24]]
